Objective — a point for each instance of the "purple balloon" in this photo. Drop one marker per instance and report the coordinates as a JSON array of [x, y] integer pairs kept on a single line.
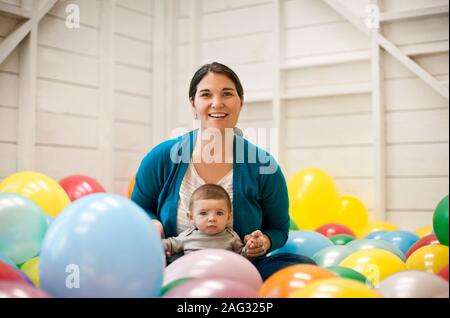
[[18, 290], [212, 287], [214, 263]]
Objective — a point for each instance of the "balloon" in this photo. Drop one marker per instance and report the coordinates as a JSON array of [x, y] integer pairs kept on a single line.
[[440, 221], [429, 239], [31, 269], [376, 235], [444, 273], [22, 227], [331, 229], [131, 186], [403, 240], [430, 258], [18, 290], [304, 242], [335, 288], [212, 287], [174, 284], [214, 263], [377, 226], [292, 225], [349, 273], [44, 191], [352, 213], [10, 274], [332, 255], [7, 260], [341, 239], [424, 230], [375, 264], [312, 198], [412, 284], [365, 244], [78, 186], [291, 278], [102, 245]]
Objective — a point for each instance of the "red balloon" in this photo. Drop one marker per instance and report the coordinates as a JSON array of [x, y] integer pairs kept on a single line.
[[78, 186], [424, 241], [334, 229], [10, 274], [18, 290], [444, 273]]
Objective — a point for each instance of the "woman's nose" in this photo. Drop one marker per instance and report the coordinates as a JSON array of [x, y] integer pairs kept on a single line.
[[217, 102]]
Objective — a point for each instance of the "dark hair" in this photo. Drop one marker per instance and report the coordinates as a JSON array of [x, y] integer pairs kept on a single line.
[[210, 191], [215, 68]]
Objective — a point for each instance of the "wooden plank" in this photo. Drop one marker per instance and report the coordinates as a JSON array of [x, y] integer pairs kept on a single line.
[[415, 193], [53, 33], [361, 188], [132, 108], [435, 64], [329, 131], [126, 164], [141, 6], [338, 162], [8, 125], [303, 13], [429, 126], [132, 137], [328, 90], [8, 153], [67, 67], [244, 22], [132, 80], [404, 5], [223, 5], [412, 160], [328, 106], [63, 130], [414, 13], [132, 24], [89, 11], [67, 99], [410, 221], [132, 52], [256, 112], [11, 63], [16, 11], [9, 90]]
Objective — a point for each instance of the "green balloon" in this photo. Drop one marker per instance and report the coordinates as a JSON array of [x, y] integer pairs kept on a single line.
[[440, 221], [174, 284], [341, 239], [349, 273], [292, 225]]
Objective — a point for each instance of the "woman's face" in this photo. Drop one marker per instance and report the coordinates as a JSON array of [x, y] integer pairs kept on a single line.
[[217, 102]]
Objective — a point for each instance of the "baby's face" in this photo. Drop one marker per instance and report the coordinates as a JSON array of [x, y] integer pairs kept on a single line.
[[210, 216]]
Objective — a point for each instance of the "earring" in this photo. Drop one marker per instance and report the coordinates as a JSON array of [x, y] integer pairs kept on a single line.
[[196, 116]]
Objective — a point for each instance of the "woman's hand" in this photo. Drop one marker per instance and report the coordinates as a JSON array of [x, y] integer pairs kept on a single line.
[[256, 244], [159, 227]]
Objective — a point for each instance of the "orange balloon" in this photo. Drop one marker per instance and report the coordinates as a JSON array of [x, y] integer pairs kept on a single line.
[[291, 278], [131, 186]]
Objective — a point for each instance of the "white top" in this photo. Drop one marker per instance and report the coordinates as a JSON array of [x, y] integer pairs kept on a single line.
[[192, 181]]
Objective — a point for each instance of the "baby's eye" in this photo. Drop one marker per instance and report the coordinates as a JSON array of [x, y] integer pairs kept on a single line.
[[202, 213], [220, 213]]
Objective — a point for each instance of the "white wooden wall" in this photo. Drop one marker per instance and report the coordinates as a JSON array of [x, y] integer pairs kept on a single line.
[[69, 115], [326, 119]]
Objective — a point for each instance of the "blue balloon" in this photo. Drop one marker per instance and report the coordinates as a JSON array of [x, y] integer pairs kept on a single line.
[[376, 235], [102, 245], [304, 242], [403, 240], [22, 227]]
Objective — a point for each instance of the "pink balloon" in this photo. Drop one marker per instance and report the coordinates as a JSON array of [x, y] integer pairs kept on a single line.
[[18, 290], [214, 263], [212, 287]]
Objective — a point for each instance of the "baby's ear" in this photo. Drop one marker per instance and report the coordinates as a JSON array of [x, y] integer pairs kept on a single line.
[[190, 216]]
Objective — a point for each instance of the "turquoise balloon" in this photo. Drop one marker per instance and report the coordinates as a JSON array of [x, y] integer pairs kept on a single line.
[[403, 240], [102, 245], [367, 243], [332, 255], [22, 227], [7, 260], [304, 242], [376, 235]]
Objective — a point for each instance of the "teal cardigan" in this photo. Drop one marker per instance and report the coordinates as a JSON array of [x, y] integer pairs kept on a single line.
[[260, 197]]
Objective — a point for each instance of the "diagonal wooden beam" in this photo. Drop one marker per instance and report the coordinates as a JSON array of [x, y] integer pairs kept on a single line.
[[14, 10], [391, 48], [15, 37]]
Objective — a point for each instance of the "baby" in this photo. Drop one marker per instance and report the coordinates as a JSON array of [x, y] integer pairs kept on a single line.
[[209, 213]]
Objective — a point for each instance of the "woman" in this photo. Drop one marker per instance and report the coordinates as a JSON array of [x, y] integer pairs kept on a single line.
[[170, 173]]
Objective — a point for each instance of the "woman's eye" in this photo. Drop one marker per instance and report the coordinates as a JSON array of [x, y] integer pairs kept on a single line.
[[228, 94], [205, 95]]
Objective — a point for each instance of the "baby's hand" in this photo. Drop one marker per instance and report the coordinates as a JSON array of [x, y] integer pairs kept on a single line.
[[168, 254]]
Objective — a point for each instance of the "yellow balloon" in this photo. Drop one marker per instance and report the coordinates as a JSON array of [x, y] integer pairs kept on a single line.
[[376, 264], [352, 213], [429, 258], [335, 288], [424, 231], [312, 198], [376, 226], [43, 190], [31, 269]]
